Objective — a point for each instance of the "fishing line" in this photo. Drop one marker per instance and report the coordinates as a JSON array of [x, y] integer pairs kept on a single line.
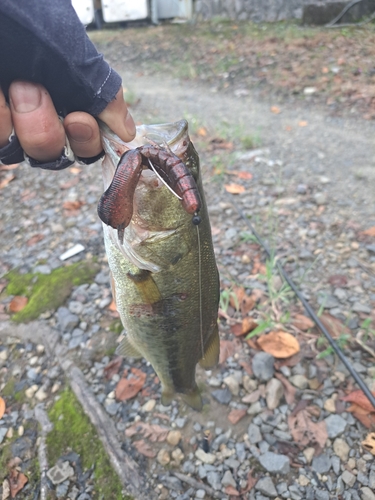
[[200, 289], [310, 311], [162, 180]]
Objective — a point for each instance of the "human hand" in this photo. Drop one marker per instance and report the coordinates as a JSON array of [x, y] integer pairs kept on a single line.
[[41, 133]]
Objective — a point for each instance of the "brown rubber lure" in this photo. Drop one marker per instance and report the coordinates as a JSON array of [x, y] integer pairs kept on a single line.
[[115, 207]]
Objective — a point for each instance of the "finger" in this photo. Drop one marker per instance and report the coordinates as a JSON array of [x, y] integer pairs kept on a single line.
[[35, 121], [83, 133], [5, 121], [116, 115]]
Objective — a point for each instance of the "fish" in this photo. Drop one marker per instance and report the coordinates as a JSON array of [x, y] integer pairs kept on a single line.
[[158, 241]]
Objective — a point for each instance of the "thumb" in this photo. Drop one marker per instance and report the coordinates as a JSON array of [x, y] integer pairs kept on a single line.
[[118, 118]]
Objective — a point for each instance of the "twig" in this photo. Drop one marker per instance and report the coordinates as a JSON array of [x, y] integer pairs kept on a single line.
[[345, 25], [196, 484], [342, 13], [46, 427]]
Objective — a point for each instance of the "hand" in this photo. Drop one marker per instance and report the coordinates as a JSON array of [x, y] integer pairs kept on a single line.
[[42, 135]]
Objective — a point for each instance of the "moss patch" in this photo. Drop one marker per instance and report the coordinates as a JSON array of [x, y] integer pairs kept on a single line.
[[73, 430], [47, 291], [116, 326]]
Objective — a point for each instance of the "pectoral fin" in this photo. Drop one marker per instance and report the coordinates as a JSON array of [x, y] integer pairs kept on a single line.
[[127, 349], [146, 286], [211, 351]]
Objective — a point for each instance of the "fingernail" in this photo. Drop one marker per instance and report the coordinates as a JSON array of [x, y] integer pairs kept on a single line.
[[79, 132], [25, 97], [130, 125]]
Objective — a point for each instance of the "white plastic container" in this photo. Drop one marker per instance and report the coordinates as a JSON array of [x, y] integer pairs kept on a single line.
[[124, 10], [85, 10]]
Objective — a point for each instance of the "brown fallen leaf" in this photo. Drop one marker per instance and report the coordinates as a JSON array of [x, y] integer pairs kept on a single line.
[[279, 344], [334, 325], [290, 391], [112, 367], [2, 407], [155, 433], [231, 491], [366, 419], [246, 326], [370, 231], [202, 132], [240, 174], [18, 303], [302, 322], [73, 205], [338, 280], [251, 482], [144, 448], [128, 388], [304, 431], [4, 182], [17, 481], [358, 397], [234, 188], [302, 123], [276, 110], [112, 306], [369, 443], [236, 415], [34, 239], [228, 348]]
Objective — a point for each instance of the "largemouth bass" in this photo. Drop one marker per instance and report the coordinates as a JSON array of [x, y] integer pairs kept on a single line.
[[164, 276]]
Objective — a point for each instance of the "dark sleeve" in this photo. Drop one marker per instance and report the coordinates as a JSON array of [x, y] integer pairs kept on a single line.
[[43, 41]]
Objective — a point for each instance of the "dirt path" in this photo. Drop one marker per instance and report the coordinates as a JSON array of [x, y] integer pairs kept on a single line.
[[340, 148]]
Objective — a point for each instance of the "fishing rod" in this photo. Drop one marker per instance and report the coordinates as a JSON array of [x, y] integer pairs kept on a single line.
[[310, 311]]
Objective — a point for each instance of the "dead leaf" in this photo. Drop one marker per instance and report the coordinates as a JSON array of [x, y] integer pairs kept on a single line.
[[276, 110], [302, 322], [236, 415], [358, 397], [370, 231], [338, 280], [6, 181], [155, 433], [334, 325], [17, 481], [367, 419], [234, 188], [302, 123], [301, 405], [369, 443], [2, 407], [18, 303], [73, 205], [290, 391], [218, 143], [128, 388], [202, 132], [240, 174], [251, 482], [247, 325], [231, 491], [228, 348], [144, 448], [304, 431], [72, 182], [112, 367], [279, 344], [34, 239]]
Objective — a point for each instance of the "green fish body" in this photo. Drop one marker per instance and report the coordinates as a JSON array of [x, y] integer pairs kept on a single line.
[[164, 275]]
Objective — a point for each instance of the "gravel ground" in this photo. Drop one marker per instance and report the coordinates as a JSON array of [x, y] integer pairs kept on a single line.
[[311, 196]]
